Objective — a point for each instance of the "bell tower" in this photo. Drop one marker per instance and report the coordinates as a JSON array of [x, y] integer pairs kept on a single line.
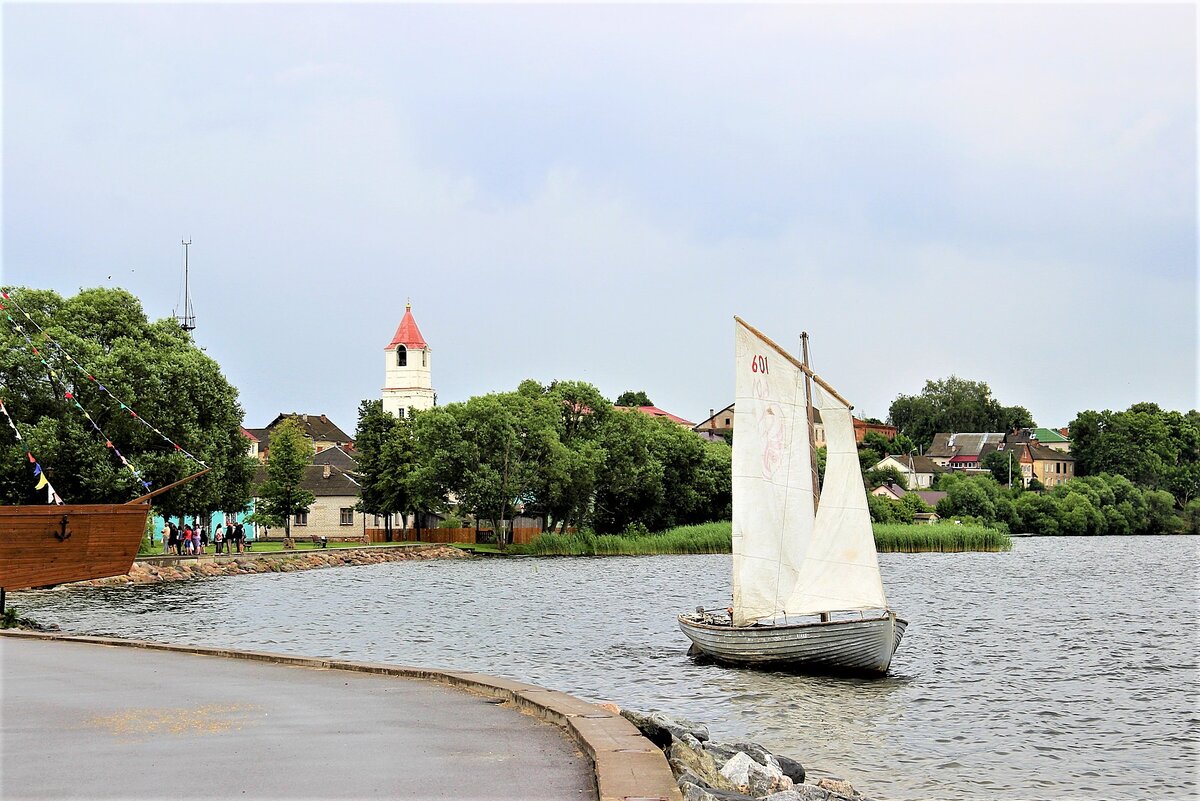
[[408, 377]]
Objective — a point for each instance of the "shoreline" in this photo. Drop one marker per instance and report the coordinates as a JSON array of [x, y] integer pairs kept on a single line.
[[162, 569]]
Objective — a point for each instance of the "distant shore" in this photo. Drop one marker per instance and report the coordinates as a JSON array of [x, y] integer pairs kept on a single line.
[[156, 570]]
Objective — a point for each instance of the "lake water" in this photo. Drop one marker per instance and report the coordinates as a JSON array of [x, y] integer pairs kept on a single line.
[[1066, 669]]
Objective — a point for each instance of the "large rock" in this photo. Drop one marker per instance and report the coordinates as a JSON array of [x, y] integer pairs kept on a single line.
[[723, 752], [694, 793], [791, 768], [651, 724], [803, 792], [838, 787], [684, 759], [754, 778]]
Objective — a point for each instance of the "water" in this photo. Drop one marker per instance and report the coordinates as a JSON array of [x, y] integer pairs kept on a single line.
[[1066, 669]]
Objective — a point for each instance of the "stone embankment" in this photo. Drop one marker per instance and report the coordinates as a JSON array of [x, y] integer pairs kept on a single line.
[[712, 771], [288, 562]]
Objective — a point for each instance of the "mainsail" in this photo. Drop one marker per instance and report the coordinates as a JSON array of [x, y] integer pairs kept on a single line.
[[789, 559]]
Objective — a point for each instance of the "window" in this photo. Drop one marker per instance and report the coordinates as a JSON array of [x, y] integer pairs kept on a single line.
[[347, 517], [401, 356], [400, 413], [425, 357], [301, 518], [726, 421], [377, 523]]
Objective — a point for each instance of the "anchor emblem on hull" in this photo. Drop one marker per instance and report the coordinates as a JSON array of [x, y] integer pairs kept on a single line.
[[62, 535]]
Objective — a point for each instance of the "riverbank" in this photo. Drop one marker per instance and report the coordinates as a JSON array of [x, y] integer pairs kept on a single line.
[[718, 538], [158, 569]]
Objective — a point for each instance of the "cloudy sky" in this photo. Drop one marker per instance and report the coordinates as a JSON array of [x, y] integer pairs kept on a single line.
[[1006, 193]]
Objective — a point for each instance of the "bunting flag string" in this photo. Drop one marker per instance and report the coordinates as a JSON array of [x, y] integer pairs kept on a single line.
[[38, 472], [86, 373], [69, 396]]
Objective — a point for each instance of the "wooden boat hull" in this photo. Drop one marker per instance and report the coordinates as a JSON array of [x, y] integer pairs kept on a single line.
[[44, 545], [839, 646]]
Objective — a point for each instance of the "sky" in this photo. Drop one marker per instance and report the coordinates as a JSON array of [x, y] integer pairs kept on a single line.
[[1006, 193]]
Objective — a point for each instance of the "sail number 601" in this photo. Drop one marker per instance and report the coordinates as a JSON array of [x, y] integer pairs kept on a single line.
[[758, 364]]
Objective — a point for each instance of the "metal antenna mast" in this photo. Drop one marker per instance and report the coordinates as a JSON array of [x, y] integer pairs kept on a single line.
[[187, 321]]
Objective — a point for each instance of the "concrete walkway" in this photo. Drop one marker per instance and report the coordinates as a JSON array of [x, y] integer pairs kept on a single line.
[[80, 720]]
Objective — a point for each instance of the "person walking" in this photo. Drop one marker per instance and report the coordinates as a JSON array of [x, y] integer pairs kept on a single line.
[[219, 537], [166, 538], [176, 546]]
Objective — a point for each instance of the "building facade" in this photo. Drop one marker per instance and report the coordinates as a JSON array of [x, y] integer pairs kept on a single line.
[[408, 369]]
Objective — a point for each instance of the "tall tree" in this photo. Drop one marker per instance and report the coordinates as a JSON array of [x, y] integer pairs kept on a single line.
[[1152, 447], [633, 398], [282, 495], [954, 405], [152, 367]]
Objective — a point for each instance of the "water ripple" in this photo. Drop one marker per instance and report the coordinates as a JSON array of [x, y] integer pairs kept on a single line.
[[1065, 669]]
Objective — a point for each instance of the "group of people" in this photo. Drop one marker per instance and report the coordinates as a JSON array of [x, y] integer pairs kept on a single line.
[[193, 538]]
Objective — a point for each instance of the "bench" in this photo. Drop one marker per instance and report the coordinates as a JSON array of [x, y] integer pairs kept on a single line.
[[322, 541]]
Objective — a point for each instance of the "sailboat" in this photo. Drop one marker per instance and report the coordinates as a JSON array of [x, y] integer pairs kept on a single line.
[[807, 592]]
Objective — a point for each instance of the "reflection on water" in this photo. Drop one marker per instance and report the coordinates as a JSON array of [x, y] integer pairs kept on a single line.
[[1063, 670]]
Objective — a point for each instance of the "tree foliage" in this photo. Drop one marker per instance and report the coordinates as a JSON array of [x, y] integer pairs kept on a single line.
[[1152, 447], [559, 451], [154, 368], [953, 405], [281, 496], [633, 398]]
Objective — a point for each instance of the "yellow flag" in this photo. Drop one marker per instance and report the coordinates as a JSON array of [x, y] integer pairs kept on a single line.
[[41, 481]]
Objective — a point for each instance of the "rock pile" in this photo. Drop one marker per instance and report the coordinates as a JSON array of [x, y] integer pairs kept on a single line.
[[712, 771], [148, 573]]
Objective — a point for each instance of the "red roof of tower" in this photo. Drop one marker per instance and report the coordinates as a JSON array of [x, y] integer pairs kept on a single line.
[[407, 334]]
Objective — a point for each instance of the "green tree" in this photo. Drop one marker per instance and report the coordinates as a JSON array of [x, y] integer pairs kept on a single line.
[[632, 398], [883, 475], [153, 368], [1152, 447], [1005, 467], [376, 496], [951, 405], [281, 496]]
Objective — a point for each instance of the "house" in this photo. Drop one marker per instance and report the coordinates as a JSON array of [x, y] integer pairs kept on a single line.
[[717, 422], [318, 429], [654, 411], [1050, 466], [963, 451], [890, 490], [862, 428], [331, 514], [1047, 437], [252, 443], [341, 457], [919, 471]]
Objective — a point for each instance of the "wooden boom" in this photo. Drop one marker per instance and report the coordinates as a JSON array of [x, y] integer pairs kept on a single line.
[[799, 365]]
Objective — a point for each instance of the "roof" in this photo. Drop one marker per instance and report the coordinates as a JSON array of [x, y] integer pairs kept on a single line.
[[338, 457], [948, 445], [407, 334], [919, 464], [712, 418], [1047, 435], [316, 427], [338, 483], [250, 436], [654, 411], [930, 497], [1042, 453]]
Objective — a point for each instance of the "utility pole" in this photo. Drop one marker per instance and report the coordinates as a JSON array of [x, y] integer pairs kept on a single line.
[[187, 320]]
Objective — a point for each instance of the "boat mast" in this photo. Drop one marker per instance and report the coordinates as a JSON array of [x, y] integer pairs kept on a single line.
[[187, 320], [812, 435]]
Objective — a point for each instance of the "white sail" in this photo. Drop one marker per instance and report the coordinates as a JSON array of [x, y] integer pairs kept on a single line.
[[840, 569], [788, 559], [772, 479]]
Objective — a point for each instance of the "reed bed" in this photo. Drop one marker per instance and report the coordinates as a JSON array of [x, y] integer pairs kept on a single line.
[[938, 538], [718, 538], [704, 538]]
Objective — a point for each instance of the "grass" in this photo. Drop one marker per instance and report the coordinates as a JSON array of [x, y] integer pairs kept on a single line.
[[938, 538], [704, 538], [718, 538]]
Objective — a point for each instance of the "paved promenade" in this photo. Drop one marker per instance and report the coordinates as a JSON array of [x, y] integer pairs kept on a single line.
[[81, 720]]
